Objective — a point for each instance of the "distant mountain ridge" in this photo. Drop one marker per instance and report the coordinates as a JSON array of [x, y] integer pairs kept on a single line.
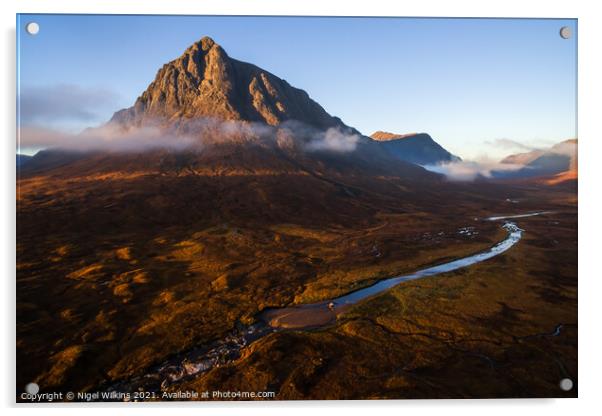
[[384, 136], [417, 148], [557, 163]]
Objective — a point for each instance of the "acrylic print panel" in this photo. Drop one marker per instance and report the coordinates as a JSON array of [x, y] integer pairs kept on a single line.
[[283, 208]]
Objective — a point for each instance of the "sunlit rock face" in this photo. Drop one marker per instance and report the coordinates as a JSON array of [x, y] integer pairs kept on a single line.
[[206, 82]]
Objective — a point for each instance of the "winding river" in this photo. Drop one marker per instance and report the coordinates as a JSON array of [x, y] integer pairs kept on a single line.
[[201, 359]]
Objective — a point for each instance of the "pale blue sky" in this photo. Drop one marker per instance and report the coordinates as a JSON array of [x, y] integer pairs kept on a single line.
[[467, 82]]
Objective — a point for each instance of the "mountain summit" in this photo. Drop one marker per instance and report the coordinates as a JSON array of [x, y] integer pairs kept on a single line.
[[277, 129], [206, 82]]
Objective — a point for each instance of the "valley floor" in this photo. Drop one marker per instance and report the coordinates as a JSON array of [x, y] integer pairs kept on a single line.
[[117, 276], [503, 328]]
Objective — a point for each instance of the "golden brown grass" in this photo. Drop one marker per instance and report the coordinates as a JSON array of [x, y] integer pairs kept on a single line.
[[485, 331], [128, 272]]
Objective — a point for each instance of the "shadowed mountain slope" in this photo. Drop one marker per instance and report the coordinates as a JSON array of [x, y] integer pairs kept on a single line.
[[418, 148]]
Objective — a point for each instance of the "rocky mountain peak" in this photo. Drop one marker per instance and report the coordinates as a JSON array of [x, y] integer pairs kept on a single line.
[[205, 82]]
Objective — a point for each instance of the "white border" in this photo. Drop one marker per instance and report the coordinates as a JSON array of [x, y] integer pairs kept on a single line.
[[590, 68]]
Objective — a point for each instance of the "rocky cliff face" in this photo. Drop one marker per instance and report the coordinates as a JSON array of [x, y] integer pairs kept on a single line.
[[206, 82]]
